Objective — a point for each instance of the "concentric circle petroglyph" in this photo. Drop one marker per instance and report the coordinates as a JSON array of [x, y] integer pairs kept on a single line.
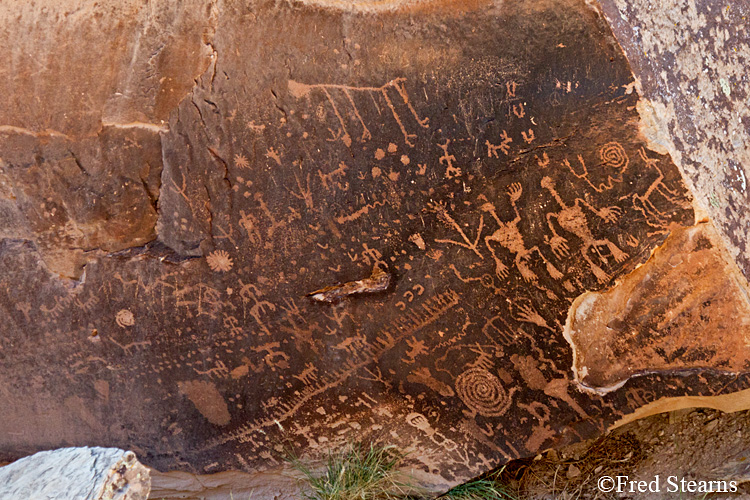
[[613, 155], [482, 392]]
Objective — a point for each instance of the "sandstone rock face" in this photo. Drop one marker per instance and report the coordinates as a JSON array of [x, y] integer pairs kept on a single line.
[[683, 309], [76, 474], [246, 225]]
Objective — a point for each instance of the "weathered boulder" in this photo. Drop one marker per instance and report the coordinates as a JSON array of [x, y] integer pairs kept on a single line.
[[76, 474], [251, 225], [690, 59]]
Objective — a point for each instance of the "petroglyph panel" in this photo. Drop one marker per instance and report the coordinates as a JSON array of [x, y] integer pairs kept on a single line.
[[362, 227]]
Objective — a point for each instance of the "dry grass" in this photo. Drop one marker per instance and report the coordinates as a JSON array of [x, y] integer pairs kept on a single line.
[[370, 472], [573, 476]]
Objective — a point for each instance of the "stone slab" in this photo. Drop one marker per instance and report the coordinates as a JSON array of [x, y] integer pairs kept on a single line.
[[76, 474]]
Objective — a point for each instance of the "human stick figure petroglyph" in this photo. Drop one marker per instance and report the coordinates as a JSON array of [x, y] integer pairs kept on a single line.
[[509, 237], [451, 171], [298, 90], [573, 220]]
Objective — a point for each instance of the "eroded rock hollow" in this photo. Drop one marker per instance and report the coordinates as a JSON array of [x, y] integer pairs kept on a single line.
[[232, 226]]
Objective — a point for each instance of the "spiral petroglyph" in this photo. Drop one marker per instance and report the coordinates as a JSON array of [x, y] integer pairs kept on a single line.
[[613, 155], [124, 318], [483, 392]]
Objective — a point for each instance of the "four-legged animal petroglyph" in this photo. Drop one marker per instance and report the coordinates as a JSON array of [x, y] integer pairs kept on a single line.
[[509, 237], [573, 220], [645, 203], [504, 146], [251, 295], [299, 90]]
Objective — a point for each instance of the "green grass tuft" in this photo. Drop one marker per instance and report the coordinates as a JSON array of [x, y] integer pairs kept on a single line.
[[487, 488], [361, 472]]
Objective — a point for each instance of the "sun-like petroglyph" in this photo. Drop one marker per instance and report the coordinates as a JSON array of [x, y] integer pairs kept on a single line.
[[124, 318], [299, 90], [219, 261], [240, 161]]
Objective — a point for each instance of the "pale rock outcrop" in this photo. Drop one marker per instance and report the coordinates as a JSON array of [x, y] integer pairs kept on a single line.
[[76, 474]]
